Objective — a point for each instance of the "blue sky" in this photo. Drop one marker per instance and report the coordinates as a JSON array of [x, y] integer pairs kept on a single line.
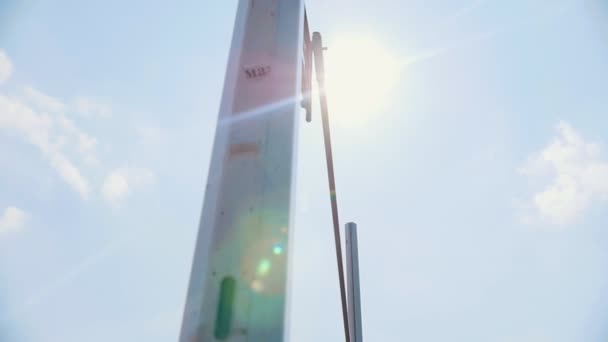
[[480, 184]]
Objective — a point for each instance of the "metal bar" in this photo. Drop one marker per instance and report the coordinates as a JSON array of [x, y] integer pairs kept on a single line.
[[307, 71], [317, 43], [352, 276]]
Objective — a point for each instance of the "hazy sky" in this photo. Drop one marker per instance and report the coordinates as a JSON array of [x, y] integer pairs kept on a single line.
[[470, 147]]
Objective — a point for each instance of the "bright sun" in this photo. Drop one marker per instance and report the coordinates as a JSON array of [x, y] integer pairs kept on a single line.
[[360, 75]]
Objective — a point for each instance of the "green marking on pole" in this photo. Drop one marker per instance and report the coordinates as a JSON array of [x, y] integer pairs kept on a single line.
[[223, 321]]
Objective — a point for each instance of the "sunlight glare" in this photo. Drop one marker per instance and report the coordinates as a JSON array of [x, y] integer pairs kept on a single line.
[[360, 76]]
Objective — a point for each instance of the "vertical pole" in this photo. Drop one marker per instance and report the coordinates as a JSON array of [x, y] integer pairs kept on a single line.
[[352, 273], [317, 44], [239, 283]]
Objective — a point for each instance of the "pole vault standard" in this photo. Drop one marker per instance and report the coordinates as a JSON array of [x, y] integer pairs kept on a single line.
[[317, 46], [238, 287], [352, 276]]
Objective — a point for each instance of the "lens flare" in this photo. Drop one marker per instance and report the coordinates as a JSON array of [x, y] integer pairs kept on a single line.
[[257, 286], [263, 267], [277, 250]]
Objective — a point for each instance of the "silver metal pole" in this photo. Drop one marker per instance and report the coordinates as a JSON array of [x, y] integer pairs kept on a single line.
[[352, 275]]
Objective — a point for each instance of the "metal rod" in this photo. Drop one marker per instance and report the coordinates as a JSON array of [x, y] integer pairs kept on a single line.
[[307, 71], [352, 272], [317, 43]]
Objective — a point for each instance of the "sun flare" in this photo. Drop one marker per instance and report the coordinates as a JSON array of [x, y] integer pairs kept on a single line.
[[360, 76]]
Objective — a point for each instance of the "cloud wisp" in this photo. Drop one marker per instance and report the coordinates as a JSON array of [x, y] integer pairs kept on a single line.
[[121, 182], [91, 108], [577, 174], [50, 133], [6, 67], [12, 220], [42, 101], [42, 120]]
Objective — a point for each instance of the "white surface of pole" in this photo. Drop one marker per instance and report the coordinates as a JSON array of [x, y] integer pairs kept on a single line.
[[238, 289]]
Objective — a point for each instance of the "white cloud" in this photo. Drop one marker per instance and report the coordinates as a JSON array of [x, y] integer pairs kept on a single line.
[[41, 101], [115, 187], [12, 219], [578, 176], [121, 182], [84, 142], [91, 108], [42, 121], [70, 173], [6, 67], [49, 133]]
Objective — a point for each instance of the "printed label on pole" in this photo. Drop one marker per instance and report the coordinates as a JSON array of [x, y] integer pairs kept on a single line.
[[254, 72]]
